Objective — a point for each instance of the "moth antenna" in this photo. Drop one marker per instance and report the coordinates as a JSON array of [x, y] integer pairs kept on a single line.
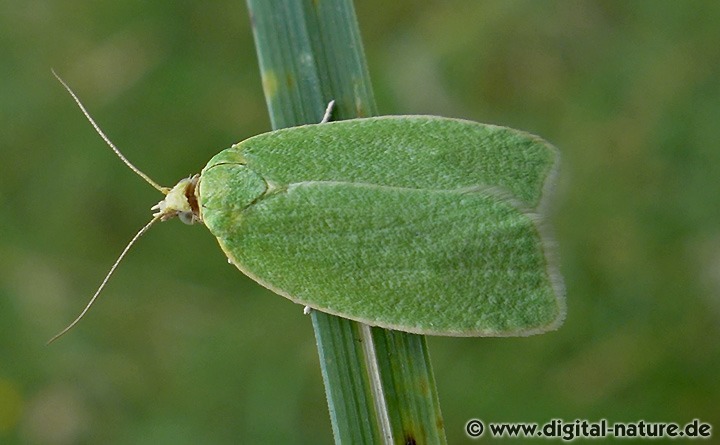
[[107, 277], [107, 140]]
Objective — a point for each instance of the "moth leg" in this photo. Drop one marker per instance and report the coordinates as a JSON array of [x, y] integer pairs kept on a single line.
[[328, 112], [307, 310]]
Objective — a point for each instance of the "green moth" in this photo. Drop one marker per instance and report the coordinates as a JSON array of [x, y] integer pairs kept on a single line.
[[421, 224]]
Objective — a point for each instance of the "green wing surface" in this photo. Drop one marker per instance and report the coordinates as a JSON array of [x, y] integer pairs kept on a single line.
[[421, 224]]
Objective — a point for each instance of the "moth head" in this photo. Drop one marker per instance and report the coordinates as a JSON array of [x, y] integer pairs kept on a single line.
[[181, 202]]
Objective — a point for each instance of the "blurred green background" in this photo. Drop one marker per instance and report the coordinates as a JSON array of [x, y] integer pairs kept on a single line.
[[183, 349]]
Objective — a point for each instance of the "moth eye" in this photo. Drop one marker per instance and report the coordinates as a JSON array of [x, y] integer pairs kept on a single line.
[[186, 217]]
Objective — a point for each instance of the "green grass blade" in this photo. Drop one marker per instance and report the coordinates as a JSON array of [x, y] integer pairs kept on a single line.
[[379, 383], [409, 386], [350, 392]]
